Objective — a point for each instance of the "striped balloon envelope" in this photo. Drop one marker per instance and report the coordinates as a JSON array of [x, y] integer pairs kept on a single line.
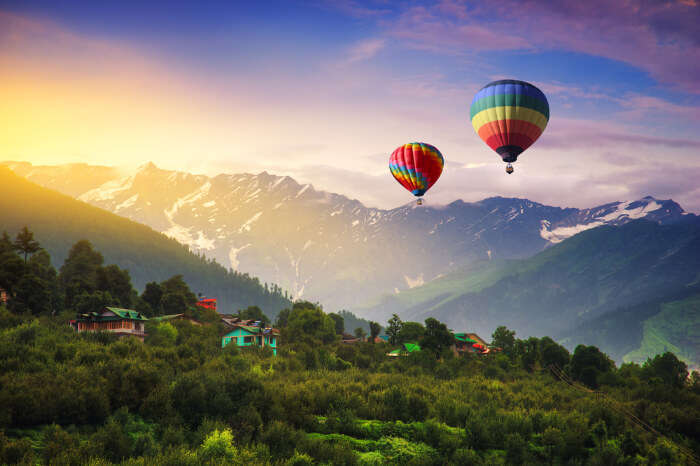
[[509, 116], [416, 166]]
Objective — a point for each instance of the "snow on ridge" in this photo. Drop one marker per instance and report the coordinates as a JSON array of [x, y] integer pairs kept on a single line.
[[233, 256], [623, 210], [621, 213], [202, 242], [276, 183], [209, 204], [560, 234], [188, 199], [303, 189], [178, 233], [249, 222], [108, 191], [128, 203]]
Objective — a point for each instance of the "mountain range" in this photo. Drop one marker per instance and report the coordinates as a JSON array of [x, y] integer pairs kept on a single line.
[[614, 275], [327, 247]]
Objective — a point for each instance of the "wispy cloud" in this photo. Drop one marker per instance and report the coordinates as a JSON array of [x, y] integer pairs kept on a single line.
[[659, 37], [363, 50], [356, 9], [428, 28]]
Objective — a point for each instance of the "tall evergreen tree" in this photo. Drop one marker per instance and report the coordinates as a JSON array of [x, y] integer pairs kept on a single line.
[[374, 329], [437, 337], [25, 243], [79, 271], [394, 329], [152, 295], [11, 266], [117, 283]]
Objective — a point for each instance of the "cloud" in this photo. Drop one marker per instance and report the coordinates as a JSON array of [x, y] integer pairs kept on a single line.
[[426, 28], [363, 50], [355, 9], [331, 126], [659, 37]]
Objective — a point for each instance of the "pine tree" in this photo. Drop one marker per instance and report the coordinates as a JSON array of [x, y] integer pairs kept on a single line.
[[26, 243]]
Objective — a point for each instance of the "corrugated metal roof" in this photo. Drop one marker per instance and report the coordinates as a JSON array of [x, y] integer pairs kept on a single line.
[[127, 313]]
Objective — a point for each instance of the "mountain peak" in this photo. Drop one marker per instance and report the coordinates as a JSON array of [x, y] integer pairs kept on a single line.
[[147, 167]]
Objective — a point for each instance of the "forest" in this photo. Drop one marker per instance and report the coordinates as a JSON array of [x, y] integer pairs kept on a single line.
[[178, 398]]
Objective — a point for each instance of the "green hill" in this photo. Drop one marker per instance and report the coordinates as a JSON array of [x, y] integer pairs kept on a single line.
[[607, 286], [58, 221], [676, 328]]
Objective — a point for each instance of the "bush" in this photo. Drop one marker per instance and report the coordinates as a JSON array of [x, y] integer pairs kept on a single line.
[[218, 447]]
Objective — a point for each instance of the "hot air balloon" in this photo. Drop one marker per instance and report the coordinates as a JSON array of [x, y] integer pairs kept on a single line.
[[509, 116], [416, 166]]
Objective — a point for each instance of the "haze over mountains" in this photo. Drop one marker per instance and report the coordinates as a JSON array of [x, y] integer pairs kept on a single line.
[[324, 246]]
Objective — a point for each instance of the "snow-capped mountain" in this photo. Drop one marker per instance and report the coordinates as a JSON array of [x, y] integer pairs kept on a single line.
[[327, 247]]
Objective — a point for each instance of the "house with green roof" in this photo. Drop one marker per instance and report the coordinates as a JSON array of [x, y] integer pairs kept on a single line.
[[122, 322], [246, 333], [405, 351], [470, 343]]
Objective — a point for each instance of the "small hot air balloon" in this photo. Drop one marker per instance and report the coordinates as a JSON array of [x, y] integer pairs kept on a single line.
[[416, 166], [509, 116]]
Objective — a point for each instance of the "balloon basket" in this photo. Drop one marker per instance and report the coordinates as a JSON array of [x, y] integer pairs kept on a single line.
[[419, 201], [509, 169]]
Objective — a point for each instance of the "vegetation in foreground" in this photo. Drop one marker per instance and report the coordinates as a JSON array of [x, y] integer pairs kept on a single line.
[[179, 398]]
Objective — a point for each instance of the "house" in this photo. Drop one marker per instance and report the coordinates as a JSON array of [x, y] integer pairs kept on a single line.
[[244, 333], [3, 296], [407, 348], [470, 343], [347, 338], [123, 322], [207, 303]]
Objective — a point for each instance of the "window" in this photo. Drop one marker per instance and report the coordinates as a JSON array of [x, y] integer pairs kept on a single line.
[[248, 339]]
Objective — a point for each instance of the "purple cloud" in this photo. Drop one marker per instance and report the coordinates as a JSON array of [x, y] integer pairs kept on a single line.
[[662, 38]]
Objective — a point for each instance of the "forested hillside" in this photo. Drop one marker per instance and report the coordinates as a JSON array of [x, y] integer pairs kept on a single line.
[[59, 221], [575, 290], [179, 398]]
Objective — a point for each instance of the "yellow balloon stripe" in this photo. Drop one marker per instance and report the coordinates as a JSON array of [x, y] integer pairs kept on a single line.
[[509, 113]]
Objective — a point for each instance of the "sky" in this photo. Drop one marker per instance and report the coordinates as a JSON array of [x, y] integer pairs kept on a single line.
[[324, 91]]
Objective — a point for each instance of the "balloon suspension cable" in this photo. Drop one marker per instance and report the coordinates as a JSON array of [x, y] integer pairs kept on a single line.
[[419, 201], [509, 168]]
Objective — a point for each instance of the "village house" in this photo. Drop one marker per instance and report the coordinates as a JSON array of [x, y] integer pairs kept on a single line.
[[405, 351], [3, 296], [470, 343], [245, 333], [207, 303], [122, 322], [347, 338]]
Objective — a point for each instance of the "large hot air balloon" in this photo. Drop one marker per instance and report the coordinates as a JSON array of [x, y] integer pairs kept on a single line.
[[417, 166], [509, 116]]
